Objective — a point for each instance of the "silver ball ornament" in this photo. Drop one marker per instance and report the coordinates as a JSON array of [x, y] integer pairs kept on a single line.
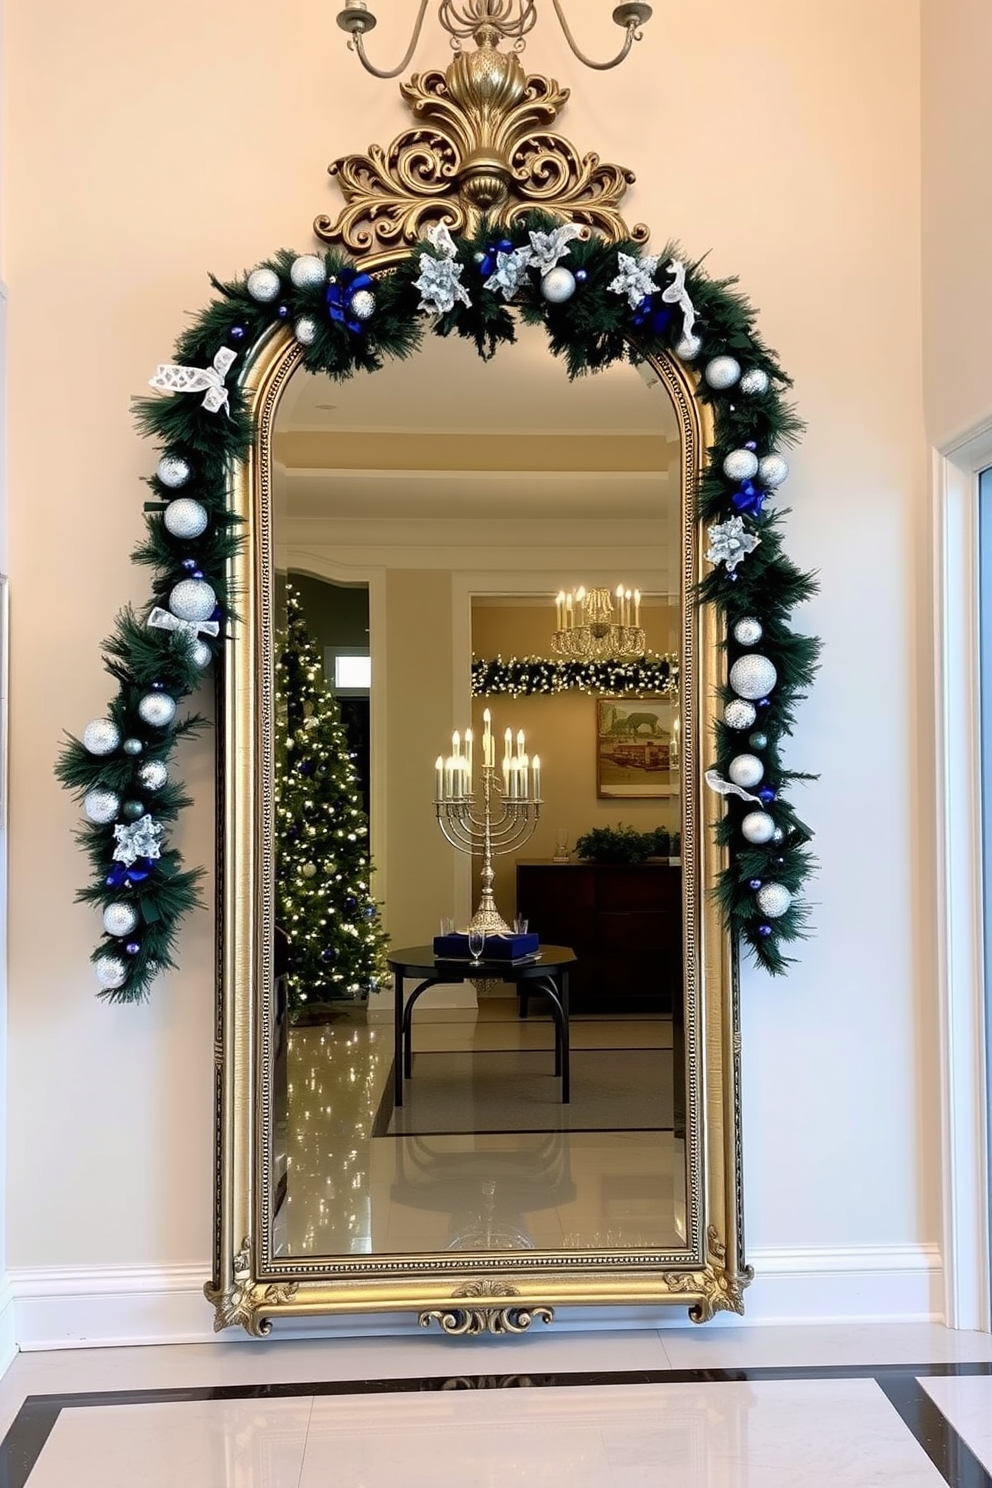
[[133, 746], [192, 599], [111, 972], [120, 918], [558, 285], [688, 348], [157, 708], [772, 471], [753, 676], [757, 828], [173, 471], [740, 465], [748, 631], [264, 285], [773, 900], [305, 330], [362, 304], [778, 835], [722, 372], [754, 382], [307, 271], [102, 736], [738, 714], [202, 655], [101, 806], [746, 771], [153, 775], [185, 518]]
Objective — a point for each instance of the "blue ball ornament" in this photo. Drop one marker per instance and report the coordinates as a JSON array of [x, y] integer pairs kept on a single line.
[[237, 333], [764, 931], [133, 947], [189, 564], [329, 955], [755, 883], [767, 795]]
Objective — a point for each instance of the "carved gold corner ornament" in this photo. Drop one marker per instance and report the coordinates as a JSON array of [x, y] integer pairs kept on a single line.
[[722, 1289], [245, 1302], [483, 148], [462, 1321]]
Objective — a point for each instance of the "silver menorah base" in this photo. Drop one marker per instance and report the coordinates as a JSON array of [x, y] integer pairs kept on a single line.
[[471, 824]]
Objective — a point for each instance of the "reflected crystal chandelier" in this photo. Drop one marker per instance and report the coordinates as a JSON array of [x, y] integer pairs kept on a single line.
[[487, 22], [589, 627]]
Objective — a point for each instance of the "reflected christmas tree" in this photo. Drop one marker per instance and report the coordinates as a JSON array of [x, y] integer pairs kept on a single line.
[[324, 903]]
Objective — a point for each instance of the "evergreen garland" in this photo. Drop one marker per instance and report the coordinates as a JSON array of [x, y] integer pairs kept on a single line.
[[523, 676], [594, 328]]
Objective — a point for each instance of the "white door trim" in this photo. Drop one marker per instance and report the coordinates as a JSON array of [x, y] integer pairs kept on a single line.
[[960, 909]]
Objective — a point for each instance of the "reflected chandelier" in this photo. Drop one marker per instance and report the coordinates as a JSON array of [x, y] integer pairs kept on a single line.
[[586, 630], [486, 22]]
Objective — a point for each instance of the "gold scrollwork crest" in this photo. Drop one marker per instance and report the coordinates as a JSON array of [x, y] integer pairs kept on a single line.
[[471, 1321], [244, 1302], [483, 147]]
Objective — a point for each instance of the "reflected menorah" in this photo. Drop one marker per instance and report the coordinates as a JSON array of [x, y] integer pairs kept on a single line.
[[491, 815]]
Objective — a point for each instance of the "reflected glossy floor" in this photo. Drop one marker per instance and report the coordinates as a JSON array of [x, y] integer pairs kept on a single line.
[[603, 1410], [352, 1189]]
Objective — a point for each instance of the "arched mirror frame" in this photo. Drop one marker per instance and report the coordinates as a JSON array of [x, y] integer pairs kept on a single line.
[[464, 1293]]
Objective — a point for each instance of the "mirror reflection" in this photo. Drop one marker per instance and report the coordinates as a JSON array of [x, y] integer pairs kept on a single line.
[[463, 550]]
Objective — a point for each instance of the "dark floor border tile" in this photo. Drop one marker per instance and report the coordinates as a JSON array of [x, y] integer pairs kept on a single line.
[[950, 1454]]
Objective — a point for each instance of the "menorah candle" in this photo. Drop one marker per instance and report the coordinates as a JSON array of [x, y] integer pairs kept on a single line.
[[637, 606], [520, 743], [439, 779], [536, 772]]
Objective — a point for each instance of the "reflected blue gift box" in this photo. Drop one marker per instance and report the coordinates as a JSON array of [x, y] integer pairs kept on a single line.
[[497, 947]]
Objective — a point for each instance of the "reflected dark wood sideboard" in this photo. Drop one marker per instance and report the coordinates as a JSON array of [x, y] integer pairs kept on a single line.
[[624, 922]]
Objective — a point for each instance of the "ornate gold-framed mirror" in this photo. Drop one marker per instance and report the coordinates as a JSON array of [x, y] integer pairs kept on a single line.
[[477, 222]]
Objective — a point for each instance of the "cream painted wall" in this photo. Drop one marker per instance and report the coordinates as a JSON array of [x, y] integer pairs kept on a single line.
[[957, 215], [150, 145]]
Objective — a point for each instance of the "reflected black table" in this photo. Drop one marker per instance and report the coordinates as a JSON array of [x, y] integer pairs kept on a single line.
[[546, 972]]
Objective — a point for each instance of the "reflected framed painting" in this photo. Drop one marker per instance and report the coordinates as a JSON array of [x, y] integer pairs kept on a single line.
[[637, 747]]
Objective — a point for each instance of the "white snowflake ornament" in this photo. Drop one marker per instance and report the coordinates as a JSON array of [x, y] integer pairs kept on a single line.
[[143, 839], [440, 278], [510, 269], [730, 543], [634, 279], [547, 248]]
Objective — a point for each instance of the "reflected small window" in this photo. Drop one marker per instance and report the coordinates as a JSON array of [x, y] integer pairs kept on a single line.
[[350, 671]]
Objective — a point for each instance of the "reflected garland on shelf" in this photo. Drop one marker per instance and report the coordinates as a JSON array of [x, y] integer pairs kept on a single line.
[[525, 676], [595, 308]]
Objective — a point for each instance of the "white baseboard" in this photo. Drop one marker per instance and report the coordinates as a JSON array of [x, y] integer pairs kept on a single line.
[[69, 1307]]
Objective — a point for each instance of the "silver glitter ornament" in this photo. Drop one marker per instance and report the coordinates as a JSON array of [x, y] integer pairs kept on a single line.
[[748, 631], [157, 708], [192, 599], [263, 285], [102, 736], [758, 828], [558, 285], [120, 918], [305, 330], [740, 465], [202, 654], [185, 518], [772, 471], [688, 348], [754, 382], [753, 676], [722, 372], [111, 972], [153, 775], [773, 900], [101, 806], [746, 771], [173, 471], [362, 304], [738, 714], [307, 271]]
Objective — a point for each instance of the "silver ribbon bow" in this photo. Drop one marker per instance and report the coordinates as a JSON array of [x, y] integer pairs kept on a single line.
[[166, 620], [170, 377], [728, 788], [676, 294]]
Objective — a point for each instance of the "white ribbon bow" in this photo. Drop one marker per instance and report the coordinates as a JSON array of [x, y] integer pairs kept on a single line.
[[676, 294], [173, 378], [166, 620], [728, 788]]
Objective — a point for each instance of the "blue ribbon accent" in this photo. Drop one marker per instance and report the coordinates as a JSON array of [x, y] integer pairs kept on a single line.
[[748, 498], [340, 295], [119, 875], [488, 265], [656, 316]]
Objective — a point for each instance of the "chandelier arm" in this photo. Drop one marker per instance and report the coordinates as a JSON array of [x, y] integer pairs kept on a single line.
[[633, 34], [357, 45]]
